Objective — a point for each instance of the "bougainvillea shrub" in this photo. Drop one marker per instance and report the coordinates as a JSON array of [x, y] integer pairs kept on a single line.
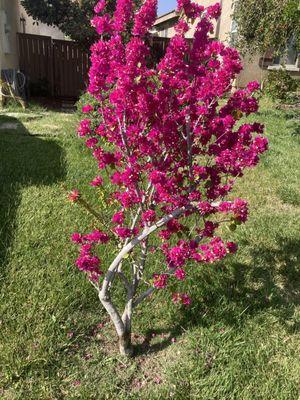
[[169, 147]]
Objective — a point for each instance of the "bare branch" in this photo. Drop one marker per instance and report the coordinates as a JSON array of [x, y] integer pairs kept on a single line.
[[143, 296]]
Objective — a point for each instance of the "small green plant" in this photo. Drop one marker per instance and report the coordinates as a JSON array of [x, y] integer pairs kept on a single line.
[[280, 85]]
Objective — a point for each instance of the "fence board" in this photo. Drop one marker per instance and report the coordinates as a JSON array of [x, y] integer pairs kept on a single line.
[[70, 78], [59, 64], [35, 59]]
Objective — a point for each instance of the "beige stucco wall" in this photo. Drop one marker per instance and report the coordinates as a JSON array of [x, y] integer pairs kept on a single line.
[[8, 42], [12, 11], [37, 28], [251, 71]]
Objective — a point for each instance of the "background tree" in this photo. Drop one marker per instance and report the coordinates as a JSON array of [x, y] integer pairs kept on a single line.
[[71, 17], [266, 24]]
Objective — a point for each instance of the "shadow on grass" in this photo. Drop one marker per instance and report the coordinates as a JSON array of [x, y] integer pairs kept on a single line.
[[25, 160], [269, 281]]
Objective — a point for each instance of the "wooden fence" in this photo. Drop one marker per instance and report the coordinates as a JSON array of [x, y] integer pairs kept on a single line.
[[59, 68], [158, 46]]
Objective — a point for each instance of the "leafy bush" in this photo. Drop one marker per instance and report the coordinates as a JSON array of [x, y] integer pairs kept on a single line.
[[84, 100], [280, 84]]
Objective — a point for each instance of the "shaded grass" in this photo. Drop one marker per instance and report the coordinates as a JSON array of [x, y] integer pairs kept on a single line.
[[239, 339]]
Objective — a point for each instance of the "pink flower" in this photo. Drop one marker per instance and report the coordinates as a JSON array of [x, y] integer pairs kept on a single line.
[[260, 144], [102, 24], [118, 218], [205, 208], [149, 216], [96, 237], [232, 247], [123, 232], [105, 158], [240, 210], [215, 250], [253, 86], [191, 9], [182, 27], [87, 109], [160, 281], [99, 7], [157, 177], [91, 142], [181, 298], [84, 128], [145, 17], [76, 238], [225, 207], [74, 195], [209, 229], [176, 298], [214, 11], [186, 300], [123, 14], [94, 276], [88, 263], [128, 199], [177, 255], [85, 249], [98, 181], [180, 274]]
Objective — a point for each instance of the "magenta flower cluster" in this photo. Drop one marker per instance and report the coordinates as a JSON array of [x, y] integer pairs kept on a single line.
[[87, 260], [171, 144]]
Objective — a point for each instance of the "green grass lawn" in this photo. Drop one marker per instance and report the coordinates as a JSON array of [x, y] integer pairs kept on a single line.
[[240, 338]]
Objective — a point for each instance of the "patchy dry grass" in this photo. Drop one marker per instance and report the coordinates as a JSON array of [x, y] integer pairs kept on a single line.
[[240, 338]]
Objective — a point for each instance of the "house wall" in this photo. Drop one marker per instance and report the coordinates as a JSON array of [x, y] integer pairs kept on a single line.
[[8, 30], [10, 13], [35, 28], [251, 71]]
